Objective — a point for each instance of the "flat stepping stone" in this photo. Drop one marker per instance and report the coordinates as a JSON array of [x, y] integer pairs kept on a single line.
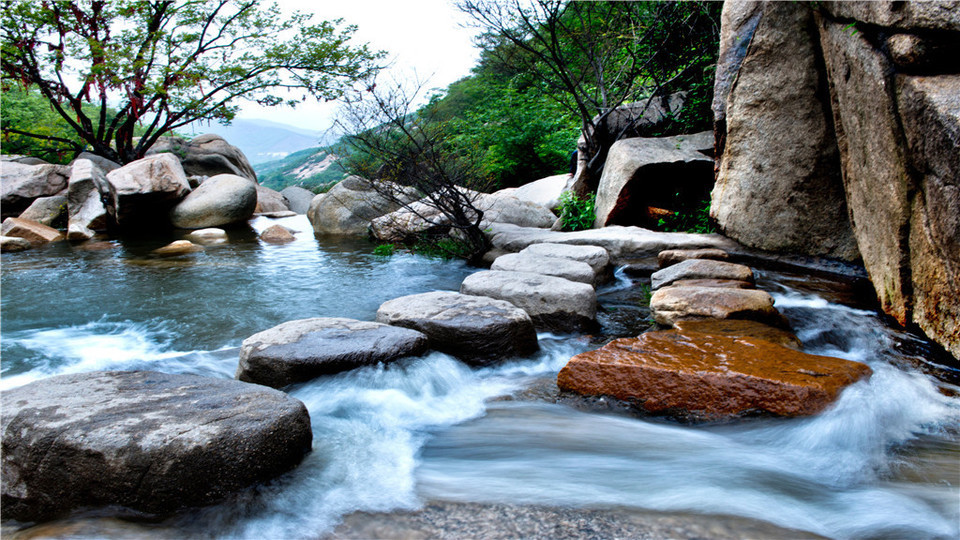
[[741, 328], [553, 303], [722, 283], [595, 256], [304, 349], [476, 329], [672, 304], [152, 442], [700, 269], [548, 266], [671, 257], [709, 377]]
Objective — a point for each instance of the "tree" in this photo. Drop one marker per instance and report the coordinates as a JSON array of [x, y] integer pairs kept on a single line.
[[400, 147], [168, 63], [593, 57]]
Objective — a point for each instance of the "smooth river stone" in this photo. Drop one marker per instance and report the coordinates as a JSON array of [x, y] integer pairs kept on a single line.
[[697, 376], [672, 304], [548, 266], [152, 442], [700, 269], [304, 349], [475, 329], [595, 256], [671, 257]]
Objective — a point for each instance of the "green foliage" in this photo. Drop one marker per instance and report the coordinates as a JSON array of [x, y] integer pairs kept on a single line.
[[170, 63], [693, 222], [384, 250], [445, 248], [305, 168], [645, 294], [577, 214]]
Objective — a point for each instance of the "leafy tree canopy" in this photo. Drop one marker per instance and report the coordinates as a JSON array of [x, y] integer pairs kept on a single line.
[[164, 64]]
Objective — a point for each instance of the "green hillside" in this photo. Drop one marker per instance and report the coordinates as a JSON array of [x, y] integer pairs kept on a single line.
[[315, 169]]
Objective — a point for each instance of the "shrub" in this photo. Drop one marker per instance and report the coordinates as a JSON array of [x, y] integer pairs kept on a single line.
[[577, 214], [384, 250], [697, 221]]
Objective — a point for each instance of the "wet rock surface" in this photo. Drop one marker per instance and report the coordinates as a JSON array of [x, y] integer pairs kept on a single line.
[[697, 376], [148, 441], [672, 304], [301, 350], [701, 269], [475, 329], [277, 234], [31, 231], [670, 257]]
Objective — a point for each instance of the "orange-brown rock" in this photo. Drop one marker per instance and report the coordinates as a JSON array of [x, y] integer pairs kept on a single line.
[[722, 283], [32, 231], [740, 328], [179, 247], [709, 377], [277, 234]]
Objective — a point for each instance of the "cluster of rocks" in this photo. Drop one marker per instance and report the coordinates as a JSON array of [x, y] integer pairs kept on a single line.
[[728, 353], [199, 184]]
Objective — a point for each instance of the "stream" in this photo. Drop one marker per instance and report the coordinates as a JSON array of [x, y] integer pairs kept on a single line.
[[883, 462]]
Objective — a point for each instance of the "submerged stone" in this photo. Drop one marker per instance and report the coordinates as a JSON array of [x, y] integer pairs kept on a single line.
[[710, 377]]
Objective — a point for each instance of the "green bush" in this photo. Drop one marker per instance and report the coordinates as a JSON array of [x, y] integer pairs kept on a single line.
[[442, 248], [697, 221], [384, 250], [577, 214]]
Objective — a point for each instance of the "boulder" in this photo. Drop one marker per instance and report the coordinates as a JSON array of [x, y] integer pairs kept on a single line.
[[221, 200], [548, 266], [179, 247], [297, 199], [47, 210], [31, 231], [206, 155], [782, 193], [478, 330], [269, 200], [504, 208], [13, 243], [350, 206], [701, 269], [553, 303], [20, 158], [710, 377], [21, 184], [148, 441], [672, 304], [277, 215], [85, 192], [544, 192], [141, 193], [595, 256], [623, 244], [301, 350], [661, 172], [673, 256], [277, 234], [940, 15], [103, 163], [722, 283]]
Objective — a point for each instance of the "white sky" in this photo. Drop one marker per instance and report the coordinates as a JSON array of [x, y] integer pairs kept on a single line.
[[423, 39]]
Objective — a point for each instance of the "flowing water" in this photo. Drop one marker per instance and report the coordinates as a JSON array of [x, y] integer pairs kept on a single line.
[[884, 462]]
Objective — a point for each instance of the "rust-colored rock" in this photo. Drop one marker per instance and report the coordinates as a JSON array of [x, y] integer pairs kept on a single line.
[[709, 377], [672, 304], [740, 328], [277, 234], [32, 231]]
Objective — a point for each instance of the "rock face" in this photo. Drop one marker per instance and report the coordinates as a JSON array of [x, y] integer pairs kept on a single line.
[[710, 377], [672, 304], [700, 269], [350, 206], [880, 79], [548, 266], [301, 350], [144, 191], [148, 441], [47, 210], [544, 192], [648, 172], [297, 198], [475, 329], [21, 184], [206, 155], [552, 303], [269, 201], [220, 200], [505, 208], [85, 201], [31, 231]]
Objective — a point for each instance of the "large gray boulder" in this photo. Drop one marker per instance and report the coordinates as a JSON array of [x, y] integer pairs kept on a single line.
[[782, 193], [553, 303], [21, 184], [270, 201], [544, 192], [475, 329], [47, 210], [105, 164], [700, 269], [148, 441], [206, 155], [220, 200], [87, 185], [644, 172], [505, 208], [548, 266], [141, 193], [350, 206], [301, 350], [297, 198]]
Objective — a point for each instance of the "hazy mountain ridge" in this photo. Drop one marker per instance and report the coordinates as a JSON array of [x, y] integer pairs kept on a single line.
[[262, 140]]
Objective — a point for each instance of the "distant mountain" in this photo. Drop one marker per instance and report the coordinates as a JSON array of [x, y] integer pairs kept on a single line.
[[262, 140], [315, 169]]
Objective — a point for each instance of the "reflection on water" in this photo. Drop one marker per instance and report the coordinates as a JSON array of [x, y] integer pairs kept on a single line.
[[881, 463]]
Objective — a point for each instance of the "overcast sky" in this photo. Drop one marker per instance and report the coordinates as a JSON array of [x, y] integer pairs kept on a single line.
[[425, 37]]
